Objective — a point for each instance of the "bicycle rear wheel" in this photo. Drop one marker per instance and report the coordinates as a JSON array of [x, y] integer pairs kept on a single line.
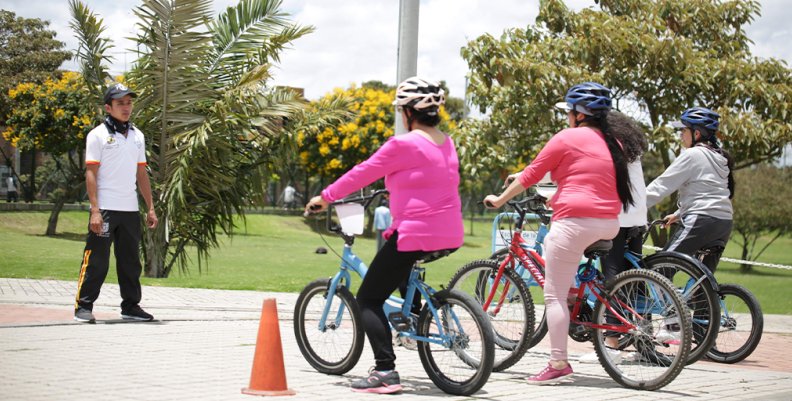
[[741, 325], [512, 319], [463, 363], [537, 295], [336, 348], [701, 298], [645, 300]]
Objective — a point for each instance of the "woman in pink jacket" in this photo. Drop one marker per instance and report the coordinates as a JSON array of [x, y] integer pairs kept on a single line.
[[421, 172], [588, 164]]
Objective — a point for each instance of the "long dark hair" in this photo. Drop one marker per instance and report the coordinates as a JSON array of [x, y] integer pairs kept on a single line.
[[623, 184], [629, 133], [711, 143]]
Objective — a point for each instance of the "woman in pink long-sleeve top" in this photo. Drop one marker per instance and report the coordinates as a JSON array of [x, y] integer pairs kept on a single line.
[[589, 166], [421, 172]]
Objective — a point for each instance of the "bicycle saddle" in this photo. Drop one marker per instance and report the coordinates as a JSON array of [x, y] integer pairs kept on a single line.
[[598, 249]]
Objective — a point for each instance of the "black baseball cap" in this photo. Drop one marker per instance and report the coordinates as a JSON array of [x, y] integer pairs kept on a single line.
[[117, 91]]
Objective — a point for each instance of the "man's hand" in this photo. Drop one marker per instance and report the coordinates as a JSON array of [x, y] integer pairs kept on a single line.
[[151, 219], [96, 222]]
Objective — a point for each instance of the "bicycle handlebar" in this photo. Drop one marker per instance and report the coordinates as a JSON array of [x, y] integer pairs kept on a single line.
[[365, 200]]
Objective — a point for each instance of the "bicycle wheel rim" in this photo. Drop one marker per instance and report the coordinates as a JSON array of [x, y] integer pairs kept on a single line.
[[703, 304], [511, 319], [464, 365], [741, 325], [649, 302], [335, 349]]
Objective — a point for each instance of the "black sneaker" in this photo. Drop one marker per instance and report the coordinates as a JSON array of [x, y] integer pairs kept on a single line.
[[136, 313], [378, 383], [83, 315]]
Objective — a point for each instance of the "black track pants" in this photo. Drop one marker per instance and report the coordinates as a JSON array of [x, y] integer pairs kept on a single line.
[[122, 229], [389, 270]]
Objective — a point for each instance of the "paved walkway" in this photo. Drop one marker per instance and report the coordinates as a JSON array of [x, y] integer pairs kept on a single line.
[[203, 344]]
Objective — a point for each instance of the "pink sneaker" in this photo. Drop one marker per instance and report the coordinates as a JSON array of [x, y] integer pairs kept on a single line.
[[551, 375]]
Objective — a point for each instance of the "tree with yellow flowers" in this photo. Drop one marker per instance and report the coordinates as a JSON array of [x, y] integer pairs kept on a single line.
[[329, 151], [54, 117]]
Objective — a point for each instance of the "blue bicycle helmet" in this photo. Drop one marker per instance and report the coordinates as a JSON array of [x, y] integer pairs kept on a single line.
[[698, 117], [588, 98]]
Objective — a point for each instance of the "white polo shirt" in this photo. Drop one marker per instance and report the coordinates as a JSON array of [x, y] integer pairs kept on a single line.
[[118, 158]]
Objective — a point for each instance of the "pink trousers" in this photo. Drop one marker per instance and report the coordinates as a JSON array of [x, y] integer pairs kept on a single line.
[[564, 247]]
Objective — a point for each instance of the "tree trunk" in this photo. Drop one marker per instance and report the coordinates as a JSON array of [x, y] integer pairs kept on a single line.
[[155, 250], [745, 268], [52, 224]]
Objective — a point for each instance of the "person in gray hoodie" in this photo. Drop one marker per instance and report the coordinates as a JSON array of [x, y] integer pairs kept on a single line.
[[703, 175]]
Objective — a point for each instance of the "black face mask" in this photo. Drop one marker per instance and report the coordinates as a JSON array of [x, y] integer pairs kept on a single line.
[[114, 125]]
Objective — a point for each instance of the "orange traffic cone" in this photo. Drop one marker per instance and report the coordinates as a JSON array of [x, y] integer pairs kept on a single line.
[[268, 376]]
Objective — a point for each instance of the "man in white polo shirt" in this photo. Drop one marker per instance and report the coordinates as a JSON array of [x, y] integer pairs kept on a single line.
[[115, 162]]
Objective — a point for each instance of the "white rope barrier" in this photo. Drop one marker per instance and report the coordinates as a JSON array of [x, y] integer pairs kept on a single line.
[[738, 261]]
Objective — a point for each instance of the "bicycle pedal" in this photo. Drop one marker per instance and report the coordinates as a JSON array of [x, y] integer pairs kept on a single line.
[[399, 321]]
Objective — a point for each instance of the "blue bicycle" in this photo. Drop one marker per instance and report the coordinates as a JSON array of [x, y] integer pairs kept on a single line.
[[453, 336]]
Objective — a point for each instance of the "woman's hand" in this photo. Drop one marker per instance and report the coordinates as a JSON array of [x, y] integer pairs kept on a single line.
[[492, 202], [670, 219], [511, 178], [315, 205]]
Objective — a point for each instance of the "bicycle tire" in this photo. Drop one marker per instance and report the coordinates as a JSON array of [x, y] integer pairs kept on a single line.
[[472, 343], [540, 322], [653, 364], [728, 347], [513, 322], [340, 351], [703, 303]]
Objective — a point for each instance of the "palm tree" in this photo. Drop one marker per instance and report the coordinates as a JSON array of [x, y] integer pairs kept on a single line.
[[210, 116]]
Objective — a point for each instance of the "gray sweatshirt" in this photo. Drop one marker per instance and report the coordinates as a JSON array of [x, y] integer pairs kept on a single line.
[[701, 176]]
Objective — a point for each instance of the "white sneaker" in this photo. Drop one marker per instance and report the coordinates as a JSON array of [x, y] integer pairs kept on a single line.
[[613, 354], [669, 332]]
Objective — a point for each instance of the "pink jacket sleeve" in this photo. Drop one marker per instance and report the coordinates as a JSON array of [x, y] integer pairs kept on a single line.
[[385, 160], [547, 160]]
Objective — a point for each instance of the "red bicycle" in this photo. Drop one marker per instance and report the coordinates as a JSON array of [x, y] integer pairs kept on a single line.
[[629, 311]]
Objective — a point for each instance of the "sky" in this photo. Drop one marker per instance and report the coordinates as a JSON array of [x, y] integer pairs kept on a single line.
[[356, 40]]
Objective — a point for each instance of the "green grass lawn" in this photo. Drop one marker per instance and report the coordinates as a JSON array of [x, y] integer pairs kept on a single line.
[[276, 253]]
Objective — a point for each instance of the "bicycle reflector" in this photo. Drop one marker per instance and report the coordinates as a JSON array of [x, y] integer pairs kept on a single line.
[[350, 215]]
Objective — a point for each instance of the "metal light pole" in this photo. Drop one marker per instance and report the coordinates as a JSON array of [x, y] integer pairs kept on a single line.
[[407, 56]]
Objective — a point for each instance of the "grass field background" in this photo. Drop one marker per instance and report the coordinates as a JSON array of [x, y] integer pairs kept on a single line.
[[277, 253]]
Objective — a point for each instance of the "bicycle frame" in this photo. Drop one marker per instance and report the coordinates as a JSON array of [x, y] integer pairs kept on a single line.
[[351, 262]]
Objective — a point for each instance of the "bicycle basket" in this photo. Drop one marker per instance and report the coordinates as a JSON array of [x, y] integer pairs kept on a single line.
[[350, 215]]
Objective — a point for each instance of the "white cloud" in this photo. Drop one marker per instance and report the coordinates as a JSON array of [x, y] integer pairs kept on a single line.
[[355, 40]]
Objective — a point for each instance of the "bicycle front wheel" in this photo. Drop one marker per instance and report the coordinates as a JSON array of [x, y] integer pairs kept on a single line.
[[700, 296], [333, 345], [741, 325], [510, 312], [537, 296], [463, 363], [643, 303]]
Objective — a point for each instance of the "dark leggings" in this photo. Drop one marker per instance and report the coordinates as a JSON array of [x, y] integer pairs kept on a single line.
[[615, 262], [389, 270]]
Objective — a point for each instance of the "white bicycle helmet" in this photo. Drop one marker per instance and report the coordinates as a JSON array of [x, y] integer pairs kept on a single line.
[[419, 94]]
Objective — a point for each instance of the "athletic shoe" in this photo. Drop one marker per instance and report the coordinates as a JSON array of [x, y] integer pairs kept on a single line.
[[613, 354], [655, 358], [551, 375], [378, 383], [136, 313], [669, 332], [83, 315]]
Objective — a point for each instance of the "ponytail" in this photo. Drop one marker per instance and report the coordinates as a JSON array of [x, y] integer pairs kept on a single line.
[[712, 144], [623, 183]]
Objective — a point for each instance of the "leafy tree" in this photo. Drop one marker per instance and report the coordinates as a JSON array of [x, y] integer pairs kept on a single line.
[[329, 151], [53, 117], [208, 113], [659, 57], [28, 53], [758, 211]]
